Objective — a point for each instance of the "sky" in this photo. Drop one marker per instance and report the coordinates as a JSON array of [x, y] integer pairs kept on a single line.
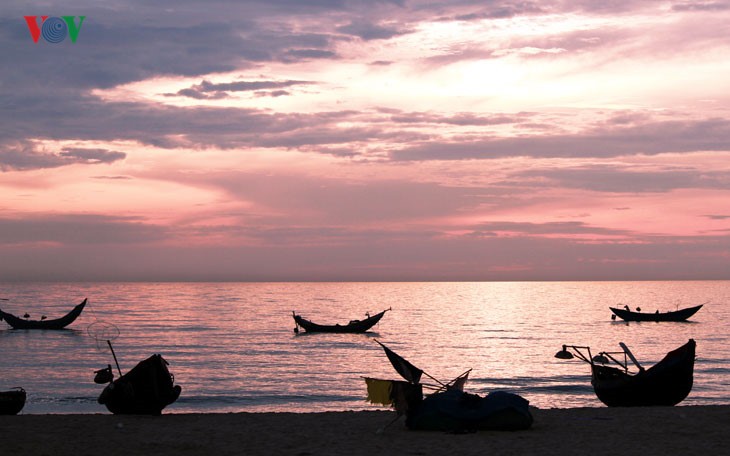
[[366, 140]]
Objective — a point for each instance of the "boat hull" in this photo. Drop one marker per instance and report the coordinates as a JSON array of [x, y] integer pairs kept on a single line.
[[58, 323], [665, 384], [677, 315], [145, 390], [456, 411], [12, 402], [358, 326]]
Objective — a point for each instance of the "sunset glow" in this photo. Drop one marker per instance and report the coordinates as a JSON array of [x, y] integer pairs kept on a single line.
[[367, 141]]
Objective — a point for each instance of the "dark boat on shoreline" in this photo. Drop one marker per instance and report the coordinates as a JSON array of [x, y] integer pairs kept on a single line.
[[447, 408], [354, 326], [666, 383], [58, 323], [677, 315], [145, 390], [12, 402]]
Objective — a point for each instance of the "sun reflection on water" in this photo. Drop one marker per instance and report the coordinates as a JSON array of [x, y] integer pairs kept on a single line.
[[232, 346]]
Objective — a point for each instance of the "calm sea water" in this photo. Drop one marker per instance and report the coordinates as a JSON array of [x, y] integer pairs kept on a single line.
[[231, 346]]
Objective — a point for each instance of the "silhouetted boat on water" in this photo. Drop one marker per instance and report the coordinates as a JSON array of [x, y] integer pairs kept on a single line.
[[145, 390], [58, 323], [676, 315], [666, 383], [12, 402], [354, 326]]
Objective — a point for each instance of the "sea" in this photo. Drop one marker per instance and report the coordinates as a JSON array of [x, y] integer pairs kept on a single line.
[[232, 346]]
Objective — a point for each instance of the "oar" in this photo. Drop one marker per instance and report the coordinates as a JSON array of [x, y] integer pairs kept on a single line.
[[631, 355]]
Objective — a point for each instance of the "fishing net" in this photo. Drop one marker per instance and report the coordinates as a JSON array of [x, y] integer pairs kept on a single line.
[[102, 333]]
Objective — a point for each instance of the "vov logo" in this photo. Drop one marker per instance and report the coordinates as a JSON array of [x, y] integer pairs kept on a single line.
[[54, 29]]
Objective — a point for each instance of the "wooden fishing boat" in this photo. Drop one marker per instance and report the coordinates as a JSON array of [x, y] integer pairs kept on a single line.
[[447, 407], [676, 315], [666, 383], [354, 326], [58, 323], [12, 402], [145, 390]]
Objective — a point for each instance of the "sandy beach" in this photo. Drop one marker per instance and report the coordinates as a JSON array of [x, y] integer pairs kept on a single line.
[[584, 431]]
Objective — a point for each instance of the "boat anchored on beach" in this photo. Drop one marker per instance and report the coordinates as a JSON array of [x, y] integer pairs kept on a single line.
[[12, 402], [666, 383], [145, 390], [447, 407]]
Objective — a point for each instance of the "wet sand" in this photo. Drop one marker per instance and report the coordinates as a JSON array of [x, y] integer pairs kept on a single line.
[[690, 430]]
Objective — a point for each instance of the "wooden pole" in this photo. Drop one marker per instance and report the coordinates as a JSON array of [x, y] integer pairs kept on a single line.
[[631, 355], [115, 357]]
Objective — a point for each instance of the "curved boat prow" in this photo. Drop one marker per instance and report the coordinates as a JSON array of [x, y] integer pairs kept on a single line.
[[58, 323]]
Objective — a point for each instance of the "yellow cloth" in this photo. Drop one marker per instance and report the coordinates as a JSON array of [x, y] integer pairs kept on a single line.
[[379, 391]]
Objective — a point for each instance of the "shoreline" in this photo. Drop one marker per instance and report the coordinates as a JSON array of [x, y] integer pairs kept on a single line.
[[643, 431]]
